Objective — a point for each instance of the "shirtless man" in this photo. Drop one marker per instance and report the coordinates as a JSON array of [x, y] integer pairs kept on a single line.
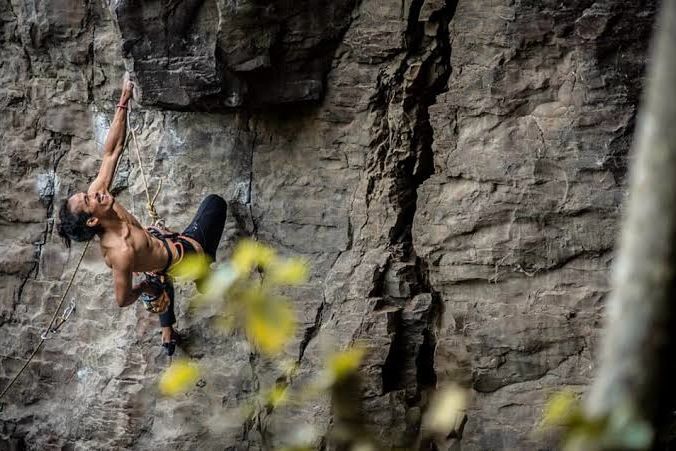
[[127, 246]]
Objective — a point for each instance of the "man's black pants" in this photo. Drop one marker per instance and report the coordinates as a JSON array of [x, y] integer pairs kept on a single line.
[[206, 228]]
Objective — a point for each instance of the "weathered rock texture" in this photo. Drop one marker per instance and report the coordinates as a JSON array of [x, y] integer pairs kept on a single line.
[[197, 54], [453, 170]]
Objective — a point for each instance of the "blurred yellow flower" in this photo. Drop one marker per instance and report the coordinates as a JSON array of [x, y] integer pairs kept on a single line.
[[561, 408], [446, 411], [249, 254], [190, 267], [344, 363], [179, 377], [277, 396], [270, 323], [293, 271]]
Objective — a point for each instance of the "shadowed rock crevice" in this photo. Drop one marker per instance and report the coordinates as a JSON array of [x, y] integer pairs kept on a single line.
[[394, 367], [426, 376], [311, 332], [401, 161], [403, 157]]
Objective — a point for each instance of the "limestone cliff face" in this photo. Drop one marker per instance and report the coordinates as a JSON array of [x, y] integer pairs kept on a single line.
[[453, 170]]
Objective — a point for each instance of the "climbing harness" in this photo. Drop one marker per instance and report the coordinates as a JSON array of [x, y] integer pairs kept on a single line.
[[179, 241], [160, 281], [157, 221]]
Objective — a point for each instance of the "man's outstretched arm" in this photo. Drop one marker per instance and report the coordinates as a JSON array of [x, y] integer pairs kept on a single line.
[[125, 295], [112, 148]]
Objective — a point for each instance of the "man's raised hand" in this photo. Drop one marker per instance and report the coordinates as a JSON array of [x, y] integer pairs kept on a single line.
[[127, 91]]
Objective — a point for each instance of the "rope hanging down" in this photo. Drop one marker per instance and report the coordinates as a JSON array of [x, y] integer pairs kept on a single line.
[[64, 317], [157, 220], [150, 201]]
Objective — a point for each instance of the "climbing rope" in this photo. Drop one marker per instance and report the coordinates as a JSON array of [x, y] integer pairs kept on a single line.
[[64, 317], [150, 201], [157, 221]]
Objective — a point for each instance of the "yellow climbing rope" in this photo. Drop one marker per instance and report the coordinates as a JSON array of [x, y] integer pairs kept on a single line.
[[157, 220]]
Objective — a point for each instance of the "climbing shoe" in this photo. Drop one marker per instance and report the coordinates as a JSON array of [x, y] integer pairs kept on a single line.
[[170, 346]]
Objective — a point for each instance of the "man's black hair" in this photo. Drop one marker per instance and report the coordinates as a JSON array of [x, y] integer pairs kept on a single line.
[[73, 226]]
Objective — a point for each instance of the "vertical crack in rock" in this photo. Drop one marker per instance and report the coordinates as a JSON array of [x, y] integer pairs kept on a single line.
[[401, 162], [395, 363], [60, 149], [253, 423], [311, 332], [403, 136], [55, 146], [249, 197], [19, 292]]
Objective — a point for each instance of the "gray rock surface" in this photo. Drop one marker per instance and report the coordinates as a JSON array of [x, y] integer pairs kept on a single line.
[[454, 172], [213, 54]]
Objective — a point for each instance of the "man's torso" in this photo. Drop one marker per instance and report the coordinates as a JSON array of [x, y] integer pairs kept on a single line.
[[137, 245], [134, 243]]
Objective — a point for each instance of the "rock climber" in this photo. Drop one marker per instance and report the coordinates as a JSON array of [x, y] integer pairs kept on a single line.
[[127, 246]]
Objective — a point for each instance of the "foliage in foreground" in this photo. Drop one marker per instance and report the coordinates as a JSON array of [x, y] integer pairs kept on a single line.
[[619, 430], [246, 293]]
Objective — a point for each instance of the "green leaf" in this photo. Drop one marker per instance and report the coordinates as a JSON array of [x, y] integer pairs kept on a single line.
[[626, 430], [277, 396], [638, 435]]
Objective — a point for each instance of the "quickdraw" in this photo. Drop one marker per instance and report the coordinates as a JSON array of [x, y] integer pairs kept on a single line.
[[64, 317]]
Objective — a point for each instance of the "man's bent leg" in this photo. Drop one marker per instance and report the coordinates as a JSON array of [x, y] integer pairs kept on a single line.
[[207, 225]]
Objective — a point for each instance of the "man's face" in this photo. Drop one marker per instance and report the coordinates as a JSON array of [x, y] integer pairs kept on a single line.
[[98, 204]]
